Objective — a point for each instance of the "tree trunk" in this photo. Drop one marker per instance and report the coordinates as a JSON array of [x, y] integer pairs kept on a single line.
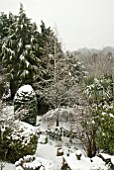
[[91, 150], [57, 122], [13, 87]]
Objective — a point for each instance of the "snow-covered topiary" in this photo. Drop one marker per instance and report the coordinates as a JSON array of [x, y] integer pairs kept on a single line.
[[25, 104]]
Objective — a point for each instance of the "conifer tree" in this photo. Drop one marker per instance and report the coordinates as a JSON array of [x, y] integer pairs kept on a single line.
[[18, 50]]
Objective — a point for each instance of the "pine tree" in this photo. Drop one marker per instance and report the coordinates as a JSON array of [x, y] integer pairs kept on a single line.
[[45, 50], [5, 22], [4, 25], [18, 50]]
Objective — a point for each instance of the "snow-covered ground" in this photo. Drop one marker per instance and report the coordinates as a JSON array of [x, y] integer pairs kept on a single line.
[[85, 163], [47, 154], [9, 166]]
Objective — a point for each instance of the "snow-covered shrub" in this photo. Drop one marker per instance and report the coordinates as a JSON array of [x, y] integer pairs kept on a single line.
[[63, 114], [7, 93], [16, 138], [99, 121], [31, 162], [105, 133], [23, 141], [6, 127], [25, 104]]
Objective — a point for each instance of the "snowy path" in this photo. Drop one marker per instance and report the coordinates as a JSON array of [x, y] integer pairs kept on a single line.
[[48, 151]]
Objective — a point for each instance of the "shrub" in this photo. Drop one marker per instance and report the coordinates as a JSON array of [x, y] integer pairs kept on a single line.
[[25, 104], [16, 143]]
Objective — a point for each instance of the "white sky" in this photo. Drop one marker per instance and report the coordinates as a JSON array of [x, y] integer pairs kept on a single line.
[[80, 23]]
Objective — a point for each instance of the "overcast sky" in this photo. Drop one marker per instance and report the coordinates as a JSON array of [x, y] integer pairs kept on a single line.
[[80, 23]]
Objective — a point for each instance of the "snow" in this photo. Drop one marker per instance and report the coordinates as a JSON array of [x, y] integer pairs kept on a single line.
[[9, 166], [26, 88], [111, 115], [75, 164], [33, 162], [9, 110], [66, 117], [22, 57], [46, 154], [103, 113], [46, 163], [78, 152], [49, 152], [24, 91], [23, 131], [105, 155], [54, 162], [27, 63], [85, 163], [112, 159], [28, 46], [7, 117]]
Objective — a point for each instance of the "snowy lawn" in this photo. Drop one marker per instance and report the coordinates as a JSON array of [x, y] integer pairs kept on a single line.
[[9, 166]]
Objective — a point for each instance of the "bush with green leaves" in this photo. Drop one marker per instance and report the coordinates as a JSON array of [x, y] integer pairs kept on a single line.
[[99, 122], [17, 141], [105, 132]]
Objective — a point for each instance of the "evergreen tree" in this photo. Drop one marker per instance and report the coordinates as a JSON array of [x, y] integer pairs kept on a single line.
[[19, 56], [5, 22], [46, 42], [4, 25]]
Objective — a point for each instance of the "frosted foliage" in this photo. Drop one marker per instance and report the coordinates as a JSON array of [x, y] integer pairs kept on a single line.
[[23, 132], [20, 44], [18, 51], [6, 118], [28, 46], [27, 63], [66, 116], [24, 73], [99, 85], [32, 163], [22, 57]]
